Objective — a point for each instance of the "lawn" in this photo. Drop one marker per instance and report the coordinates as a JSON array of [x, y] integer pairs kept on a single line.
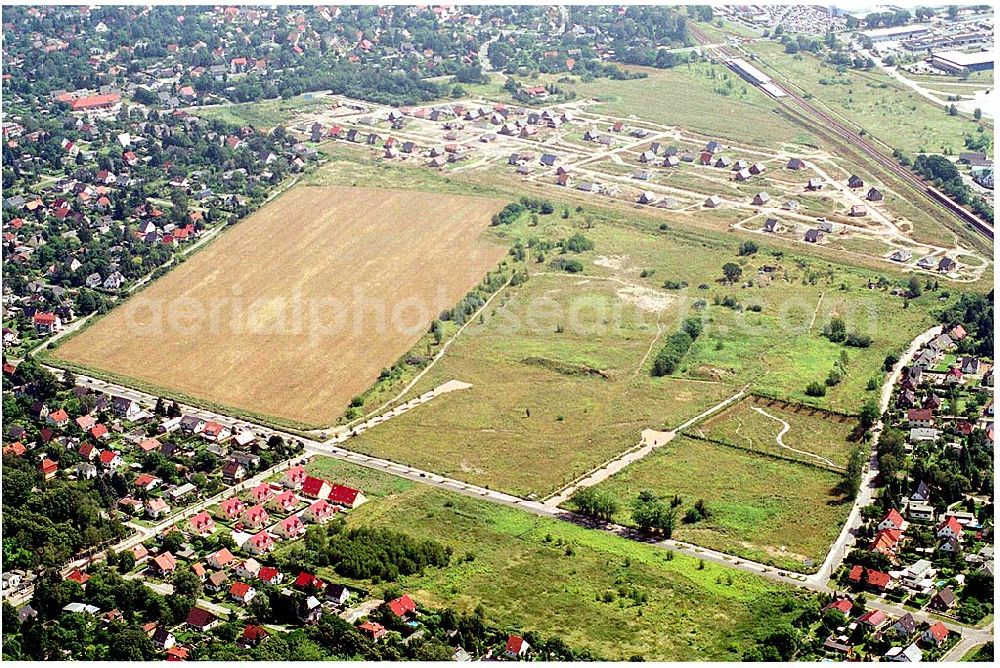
[[299, 307], [773, 511], [533, 573], [821, 437]]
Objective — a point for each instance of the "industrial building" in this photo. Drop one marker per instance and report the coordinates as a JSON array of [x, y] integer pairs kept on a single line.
[[896, 33], [960, 63]]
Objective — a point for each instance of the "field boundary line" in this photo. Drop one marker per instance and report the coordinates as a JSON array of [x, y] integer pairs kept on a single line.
[[437, 356], [761, 453]]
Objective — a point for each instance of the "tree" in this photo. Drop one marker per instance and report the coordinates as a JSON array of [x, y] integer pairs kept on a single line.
[[598, 504], [913, 287], [748, 248], [186, 583], [650, 513], [977, 114], [869, 415], [732, 271]]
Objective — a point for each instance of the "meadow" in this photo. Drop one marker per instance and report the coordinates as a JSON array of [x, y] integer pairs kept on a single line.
[[704, 97], [754, 423], [265, 114], [762, 508], [533, 573], [297, 309], [898, 116]]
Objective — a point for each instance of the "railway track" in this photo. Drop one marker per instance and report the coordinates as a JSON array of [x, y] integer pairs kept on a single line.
[[820, 121]]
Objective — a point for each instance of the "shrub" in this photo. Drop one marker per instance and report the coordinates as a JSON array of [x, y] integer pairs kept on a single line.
[[815, 389]]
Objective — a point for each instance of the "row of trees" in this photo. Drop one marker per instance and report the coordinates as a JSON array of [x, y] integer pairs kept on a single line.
[[677, 345]]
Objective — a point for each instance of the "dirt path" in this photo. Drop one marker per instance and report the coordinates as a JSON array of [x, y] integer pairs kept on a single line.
[[784, 430], [650, 440], [815, 313]]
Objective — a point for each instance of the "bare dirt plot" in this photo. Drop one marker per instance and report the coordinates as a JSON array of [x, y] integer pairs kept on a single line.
[[297, 309]]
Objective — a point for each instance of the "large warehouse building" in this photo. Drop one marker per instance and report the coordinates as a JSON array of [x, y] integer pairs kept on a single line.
[[960, 63]]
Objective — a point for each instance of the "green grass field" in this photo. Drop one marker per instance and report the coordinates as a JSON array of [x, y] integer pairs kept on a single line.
[[768, 510], [811, 431], [264, 114], [896, 115], [532, 573], [545, 406], [702, 97]]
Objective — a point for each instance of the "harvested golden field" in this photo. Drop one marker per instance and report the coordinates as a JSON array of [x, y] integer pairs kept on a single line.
[[298, 308]]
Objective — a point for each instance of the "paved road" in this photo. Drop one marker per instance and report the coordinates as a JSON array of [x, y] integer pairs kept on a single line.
[[866, 492]]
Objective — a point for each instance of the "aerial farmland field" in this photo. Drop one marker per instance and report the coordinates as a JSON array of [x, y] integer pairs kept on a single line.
[[296, 310]]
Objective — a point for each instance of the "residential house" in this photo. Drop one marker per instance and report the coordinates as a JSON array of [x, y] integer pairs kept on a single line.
[[315, 488], [255, 517], [201, 620], [346, 496], [943, 600], [220, 559], [284, 502], [242, 593], [163, 564], [202, 524], [230, 509], [403, 607], [516, 646], [290, 527], [337, 594], [319, 512], [260, 543]]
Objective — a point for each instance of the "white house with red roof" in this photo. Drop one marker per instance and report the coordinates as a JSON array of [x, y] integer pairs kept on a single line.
[[164, 563], [290, 527], [315, 488], [230, 509], [202, 524], [220, 559], [516, 646], [949, 528], [146, 481], [294, 477], [270, 575], [892, 520], [346, 496], [319, 512], [242, 593], [214, 431], [58, 418], [284, 502], [110, 459], [260, 543], [256, 517]]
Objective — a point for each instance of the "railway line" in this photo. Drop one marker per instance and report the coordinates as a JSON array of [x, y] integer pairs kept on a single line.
[[802, 111]]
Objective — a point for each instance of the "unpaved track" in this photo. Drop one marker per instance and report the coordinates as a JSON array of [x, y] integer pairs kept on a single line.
[[784, 430]]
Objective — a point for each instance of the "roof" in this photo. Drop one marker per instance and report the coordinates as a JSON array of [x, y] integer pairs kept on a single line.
[[240, 589], [402, 606], [514, 644], [165, 562], [844, 605], [939, 631], [94, 101], [343, 495], [313, 486], [951, 523], [873, 618], [199, 617], [894, 517], [267, 573], [878, 578]]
